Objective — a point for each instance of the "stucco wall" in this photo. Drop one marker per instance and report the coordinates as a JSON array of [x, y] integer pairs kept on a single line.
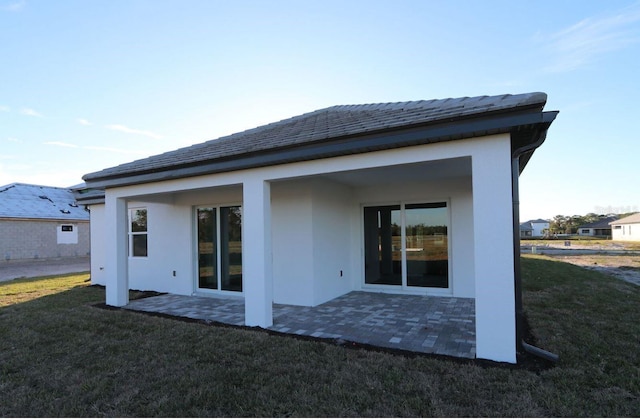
[[333, 250], [28, 239], [626, 232], [292, 243], [98, 251], [311, 236], [539, 229], [168, 248]]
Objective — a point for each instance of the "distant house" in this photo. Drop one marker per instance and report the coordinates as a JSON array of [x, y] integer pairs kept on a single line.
[[600, 228], [413, 197], [534, 228], [526, 231], [41, 222], [626, 229]]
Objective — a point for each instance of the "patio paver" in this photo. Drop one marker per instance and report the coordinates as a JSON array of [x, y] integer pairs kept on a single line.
[[425, 324]]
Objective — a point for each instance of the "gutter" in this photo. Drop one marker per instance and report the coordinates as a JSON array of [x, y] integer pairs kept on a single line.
[[540, 135]]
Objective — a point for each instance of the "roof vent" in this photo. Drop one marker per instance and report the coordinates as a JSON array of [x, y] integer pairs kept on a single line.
[[44, 197], [65, 211]]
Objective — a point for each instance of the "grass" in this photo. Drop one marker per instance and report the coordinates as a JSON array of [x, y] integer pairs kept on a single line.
[[61, 356]]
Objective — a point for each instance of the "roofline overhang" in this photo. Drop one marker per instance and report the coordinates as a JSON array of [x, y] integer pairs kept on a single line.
[[533, 122], [97, 199]]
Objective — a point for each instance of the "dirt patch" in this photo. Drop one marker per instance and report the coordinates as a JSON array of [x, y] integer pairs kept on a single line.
[[624, 267]]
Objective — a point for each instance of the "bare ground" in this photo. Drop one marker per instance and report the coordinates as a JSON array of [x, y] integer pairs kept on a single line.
[[624, 267]]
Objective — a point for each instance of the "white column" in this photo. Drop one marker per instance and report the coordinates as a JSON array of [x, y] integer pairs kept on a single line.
[[116, 271], [493, 250], [256, 253]]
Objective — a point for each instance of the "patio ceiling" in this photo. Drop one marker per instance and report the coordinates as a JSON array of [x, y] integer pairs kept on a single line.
[[403, 174]]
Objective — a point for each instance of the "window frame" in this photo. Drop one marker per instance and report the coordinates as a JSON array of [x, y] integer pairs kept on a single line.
[[218, 249], [131, 233]]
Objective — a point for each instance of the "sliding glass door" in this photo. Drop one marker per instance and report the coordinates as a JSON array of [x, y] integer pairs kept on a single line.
[[427, 245], [231, 248], [382, 241], [207, 248], [219, 231], [407, 245]]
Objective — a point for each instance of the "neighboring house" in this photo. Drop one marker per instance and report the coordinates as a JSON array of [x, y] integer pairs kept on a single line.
[[41, 222], [526, 231], [600, 228], [537, 228], [626, 229], [413, 197]]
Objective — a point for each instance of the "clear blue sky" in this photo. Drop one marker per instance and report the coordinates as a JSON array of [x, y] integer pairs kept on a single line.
[[86, 85]]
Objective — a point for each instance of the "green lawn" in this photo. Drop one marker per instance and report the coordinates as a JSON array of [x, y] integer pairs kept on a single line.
[[61, 356]]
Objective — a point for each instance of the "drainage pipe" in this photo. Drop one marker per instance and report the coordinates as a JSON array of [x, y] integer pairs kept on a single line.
[[515, 175]]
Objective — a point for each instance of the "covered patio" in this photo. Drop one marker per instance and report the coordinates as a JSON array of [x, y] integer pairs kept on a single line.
[[424, 324]]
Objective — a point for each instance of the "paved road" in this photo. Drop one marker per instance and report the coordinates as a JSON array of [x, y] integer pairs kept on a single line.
[[10, 270]]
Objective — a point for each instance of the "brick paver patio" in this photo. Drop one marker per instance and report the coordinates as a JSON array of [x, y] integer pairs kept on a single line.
[[425, 324]]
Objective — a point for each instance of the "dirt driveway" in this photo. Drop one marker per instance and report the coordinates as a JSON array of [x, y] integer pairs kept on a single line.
[[10, 270]]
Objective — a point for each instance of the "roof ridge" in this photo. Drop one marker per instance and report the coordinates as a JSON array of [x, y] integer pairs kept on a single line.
[[32, 185], [533, 96]]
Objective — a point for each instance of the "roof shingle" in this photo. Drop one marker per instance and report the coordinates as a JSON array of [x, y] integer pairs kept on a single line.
[[26, 201]]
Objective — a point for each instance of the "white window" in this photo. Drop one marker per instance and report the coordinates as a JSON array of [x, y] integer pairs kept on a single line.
[[138, 232]]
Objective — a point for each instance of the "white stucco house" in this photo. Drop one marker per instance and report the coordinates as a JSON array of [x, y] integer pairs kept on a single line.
[[414, 197], [626, 229], [535, 228]]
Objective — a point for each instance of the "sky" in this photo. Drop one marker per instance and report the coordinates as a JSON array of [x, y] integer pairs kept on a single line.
[[87, 85]]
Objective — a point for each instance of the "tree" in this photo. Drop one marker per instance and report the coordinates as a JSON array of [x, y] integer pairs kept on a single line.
[[562, 224]]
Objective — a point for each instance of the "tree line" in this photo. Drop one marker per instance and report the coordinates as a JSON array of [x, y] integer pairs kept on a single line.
[[569, 224]]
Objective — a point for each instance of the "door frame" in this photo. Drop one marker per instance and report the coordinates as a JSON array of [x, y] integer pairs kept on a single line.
[[197, 290], [404, 288]]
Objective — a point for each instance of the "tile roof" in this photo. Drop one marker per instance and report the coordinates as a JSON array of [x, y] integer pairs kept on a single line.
[[334, 122], [634, 218], [537, 221], [26, 201], [600, 224]]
